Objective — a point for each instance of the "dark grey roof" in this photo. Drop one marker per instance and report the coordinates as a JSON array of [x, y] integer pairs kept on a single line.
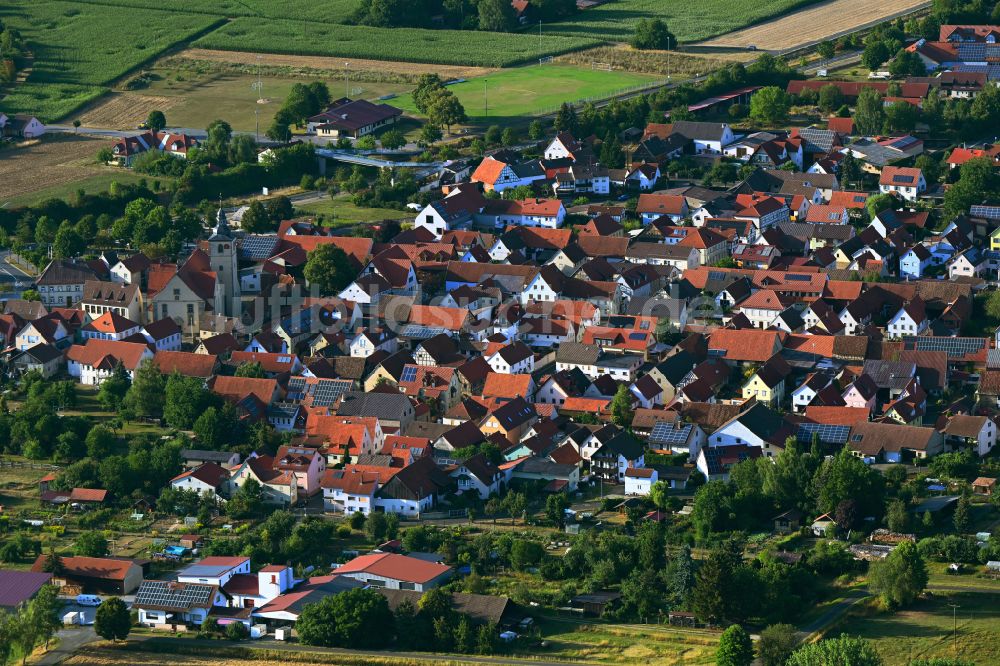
[[380, 405], [64, 271], [578, 353], [890, 374]]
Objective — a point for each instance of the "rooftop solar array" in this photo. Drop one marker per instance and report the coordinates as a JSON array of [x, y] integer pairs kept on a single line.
[[409, 374], [988, 212], [954, 347], [798, 277], [165, 594], [326, 391], [258, 247], [418, 332], [667, 433], [828, 434], [902, 178]]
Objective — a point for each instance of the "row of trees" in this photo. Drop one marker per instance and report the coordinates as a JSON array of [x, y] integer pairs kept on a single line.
[[492, 15], [303, 101]]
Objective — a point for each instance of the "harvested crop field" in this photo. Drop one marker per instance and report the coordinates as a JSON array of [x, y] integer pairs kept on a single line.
[[327, 63], [124, 110], [815, 23], [57, 166]]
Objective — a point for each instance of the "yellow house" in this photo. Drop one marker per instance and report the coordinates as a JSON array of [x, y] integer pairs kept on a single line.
[[768, 383], [995, 239]]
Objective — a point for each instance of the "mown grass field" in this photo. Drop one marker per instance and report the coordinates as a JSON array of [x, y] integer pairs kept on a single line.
[[924, 630], [689, 21], [341, 211], [325, 11], [446, 47], [529, 90]]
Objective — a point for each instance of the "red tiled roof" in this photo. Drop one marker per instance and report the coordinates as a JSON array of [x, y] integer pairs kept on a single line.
[[186, 363], [397, 567], [90, 567]]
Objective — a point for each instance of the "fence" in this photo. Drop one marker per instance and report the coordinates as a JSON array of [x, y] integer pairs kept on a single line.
[[642, 87], [11, 464]]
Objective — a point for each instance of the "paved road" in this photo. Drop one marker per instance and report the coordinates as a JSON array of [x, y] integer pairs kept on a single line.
[[13, 280], [70, 640]]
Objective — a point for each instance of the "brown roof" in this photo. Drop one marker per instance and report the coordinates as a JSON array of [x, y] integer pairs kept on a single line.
[[188, 364], [90, 567]]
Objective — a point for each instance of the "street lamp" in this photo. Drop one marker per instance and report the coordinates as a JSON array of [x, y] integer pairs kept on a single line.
[[347, 80]]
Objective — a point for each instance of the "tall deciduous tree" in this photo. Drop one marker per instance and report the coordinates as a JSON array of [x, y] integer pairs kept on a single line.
[[869, 113], [777, 643], [145, 396], [836, 652], [112, 621], [735, 647], [621, 406], [328, 269], [901, 577]]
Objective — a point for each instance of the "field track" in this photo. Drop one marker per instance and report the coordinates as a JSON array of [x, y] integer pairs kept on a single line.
[[814, 23]]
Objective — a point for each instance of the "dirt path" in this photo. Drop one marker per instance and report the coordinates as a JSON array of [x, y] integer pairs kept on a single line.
[[814, 23], [333, 64]]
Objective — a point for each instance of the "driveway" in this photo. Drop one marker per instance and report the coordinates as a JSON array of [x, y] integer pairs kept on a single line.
[[71, 639]]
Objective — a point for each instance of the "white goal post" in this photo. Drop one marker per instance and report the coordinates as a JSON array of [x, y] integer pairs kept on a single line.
[[545, 61], [603, 66]]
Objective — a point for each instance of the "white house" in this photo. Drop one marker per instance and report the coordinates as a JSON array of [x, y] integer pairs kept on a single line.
[[206, 479], [910, 319], [906, 182], [639, 481], [513, 359], [708, 138]]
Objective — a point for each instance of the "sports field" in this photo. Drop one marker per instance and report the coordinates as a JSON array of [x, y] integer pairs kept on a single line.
[[530, 90]]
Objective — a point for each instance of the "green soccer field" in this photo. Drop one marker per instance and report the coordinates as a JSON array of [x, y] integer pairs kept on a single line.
[[533, 89]]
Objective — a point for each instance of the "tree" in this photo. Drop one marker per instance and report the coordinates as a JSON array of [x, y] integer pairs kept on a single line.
[[186, 398], [735, 647], [145, 396], [849, 168], [112, 621], [393, 139], [114, 388], [216, 427], [621, 407], [101, 442], [44, 613], [346, 620], [375, 526], [846, 476], [328, 269], [869, 114], [508, 137], [217, 137], [825, 49], [91, 544], [977, 182], [525, 553], [53, 564], [907, 63], [243, 149], [430, 133], [156, 121], [830, 97], [280, 208], [961, 517], [427, 86], [900, 577], [496, 15], [536, 130], [875, 53], [446, 110], [555, 508], [256, 219], [68, 243], [653, 34], [237, 631], [836, 652], [769, 104], [253, 370], [901, 116], [776, 644], [566, 119], [681, 576], [246, 501], [897, 517], [659, 494]]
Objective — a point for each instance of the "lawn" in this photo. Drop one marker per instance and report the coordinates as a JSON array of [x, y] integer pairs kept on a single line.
[[340, 211], [576, 641], [925, 629], [327, 11], [615, 21], [534, 89]]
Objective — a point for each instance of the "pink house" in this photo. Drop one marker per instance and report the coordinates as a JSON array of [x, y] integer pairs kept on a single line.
[[307, 464], [861, 393]]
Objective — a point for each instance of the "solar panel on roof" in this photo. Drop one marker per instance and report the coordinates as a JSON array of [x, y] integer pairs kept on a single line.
[[418, 332], [827, 433], [258, 247], [716, 275], [409, 374], [667, 433], [988, 212], [798, 277], [328, 390], [636, 336], [954, 347], [901, 178]]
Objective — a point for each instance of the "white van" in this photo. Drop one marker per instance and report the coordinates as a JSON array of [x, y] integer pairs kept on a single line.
[[88, 600]]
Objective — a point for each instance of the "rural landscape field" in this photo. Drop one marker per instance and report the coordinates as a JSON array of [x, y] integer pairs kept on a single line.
[[71, 67]]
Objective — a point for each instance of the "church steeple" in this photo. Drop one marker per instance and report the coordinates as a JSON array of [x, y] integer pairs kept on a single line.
[[221, 228]]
